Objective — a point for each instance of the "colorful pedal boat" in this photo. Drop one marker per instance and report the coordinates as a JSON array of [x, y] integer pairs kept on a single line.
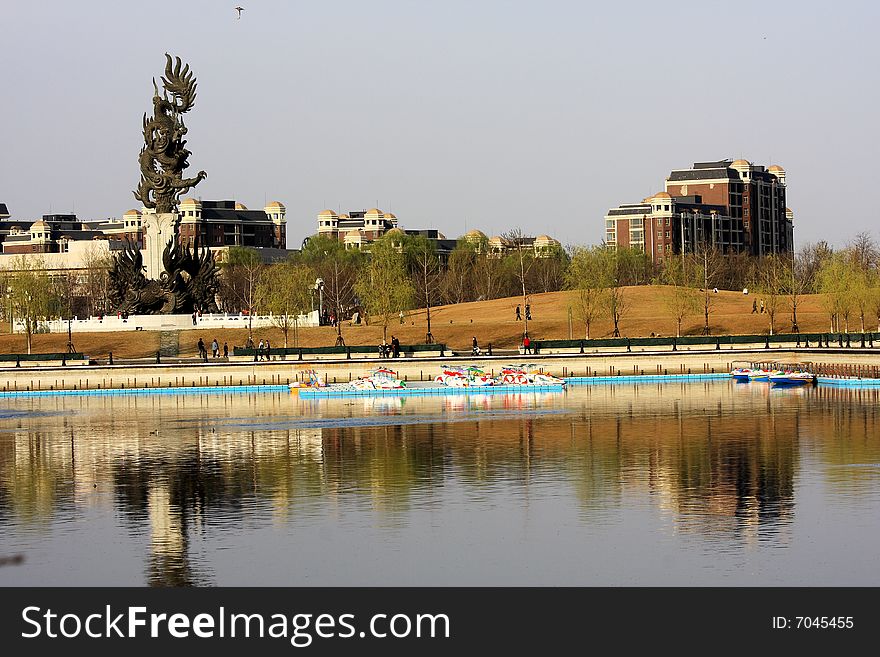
[[792, 378]]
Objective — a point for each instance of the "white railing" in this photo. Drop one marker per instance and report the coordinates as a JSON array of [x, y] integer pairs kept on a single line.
[[162, 322]]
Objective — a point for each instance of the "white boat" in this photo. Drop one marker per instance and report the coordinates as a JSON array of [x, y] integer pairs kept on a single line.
[[792, 378], [740, 373]]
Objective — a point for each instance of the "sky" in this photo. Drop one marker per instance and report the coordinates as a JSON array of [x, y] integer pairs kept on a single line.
[[454, 115]]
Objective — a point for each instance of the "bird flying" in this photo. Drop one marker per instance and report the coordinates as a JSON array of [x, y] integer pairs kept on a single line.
[[239, 10]]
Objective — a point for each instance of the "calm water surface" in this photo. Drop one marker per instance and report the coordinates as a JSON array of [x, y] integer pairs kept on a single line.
[[703, 484]]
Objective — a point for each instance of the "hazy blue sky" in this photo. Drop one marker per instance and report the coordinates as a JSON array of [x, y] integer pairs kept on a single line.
[[454, 114]]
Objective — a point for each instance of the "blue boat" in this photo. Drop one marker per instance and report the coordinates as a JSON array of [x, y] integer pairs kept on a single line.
[[792, 378]]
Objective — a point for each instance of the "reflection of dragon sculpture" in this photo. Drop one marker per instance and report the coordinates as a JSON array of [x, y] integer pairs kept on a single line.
[[189, 282], [164, 156]]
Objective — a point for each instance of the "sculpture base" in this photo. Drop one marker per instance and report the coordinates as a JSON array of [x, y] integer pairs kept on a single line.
[[159, 229]]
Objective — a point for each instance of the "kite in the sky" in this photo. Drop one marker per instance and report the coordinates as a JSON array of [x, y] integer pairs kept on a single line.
[[239, 10]]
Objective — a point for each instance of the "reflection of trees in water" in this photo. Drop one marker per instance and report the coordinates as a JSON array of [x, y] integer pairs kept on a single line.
[[697, 462], [847, 426], [35, 476], [718, 458]]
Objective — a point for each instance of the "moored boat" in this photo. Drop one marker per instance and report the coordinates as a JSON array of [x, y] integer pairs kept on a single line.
[[740, 373], [792, 378], [761, 375]]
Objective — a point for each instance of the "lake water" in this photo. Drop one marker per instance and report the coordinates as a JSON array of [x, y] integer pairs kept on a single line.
[[709, 483]]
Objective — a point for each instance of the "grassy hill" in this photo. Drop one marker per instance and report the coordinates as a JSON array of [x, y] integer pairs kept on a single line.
[[490, 321]]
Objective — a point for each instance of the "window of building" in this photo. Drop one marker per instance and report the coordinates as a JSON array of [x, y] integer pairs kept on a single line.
[[667, 221], [666, 207], [746, 212], [659, 247], [667, 234]]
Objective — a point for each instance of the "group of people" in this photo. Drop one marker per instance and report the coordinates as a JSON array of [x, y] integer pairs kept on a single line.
[[528, 312], [215, 349], [389, 350], [263, 350], [755, 306]]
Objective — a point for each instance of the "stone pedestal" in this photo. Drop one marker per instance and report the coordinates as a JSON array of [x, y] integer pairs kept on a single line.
[[159, 229]]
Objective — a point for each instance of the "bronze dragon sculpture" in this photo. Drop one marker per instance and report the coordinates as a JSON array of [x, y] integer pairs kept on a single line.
[[190, 280], [163, 157], [189, 283]]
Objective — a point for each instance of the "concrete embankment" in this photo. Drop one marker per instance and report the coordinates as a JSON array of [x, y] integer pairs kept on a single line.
[[277, 372]]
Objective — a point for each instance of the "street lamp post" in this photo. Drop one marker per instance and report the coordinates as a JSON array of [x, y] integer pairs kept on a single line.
[[319, 286], [70, 348]]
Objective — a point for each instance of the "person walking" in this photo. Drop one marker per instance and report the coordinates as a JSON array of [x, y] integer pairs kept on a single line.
[[215, 348], [395, 347], [401, 317], [529, 311], [527, 344], [201, 346], [762, 306], [194, 318], [518, 314], [225, 350], [268, 350], [260, 349], [754, 306]]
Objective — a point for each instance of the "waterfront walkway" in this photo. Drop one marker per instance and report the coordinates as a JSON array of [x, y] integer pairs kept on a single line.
[[219, 372]]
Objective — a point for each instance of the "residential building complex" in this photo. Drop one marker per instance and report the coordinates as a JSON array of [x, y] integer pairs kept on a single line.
[[219, 225], [358, 229], [733, 206]]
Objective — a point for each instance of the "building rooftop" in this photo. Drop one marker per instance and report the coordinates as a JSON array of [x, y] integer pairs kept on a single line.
[[703, 174]]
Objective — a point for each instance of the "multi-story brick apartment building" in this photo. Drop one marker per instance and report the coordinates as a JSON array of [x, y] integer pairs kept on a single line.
[[227, 223], [219, 224], [733, 206]]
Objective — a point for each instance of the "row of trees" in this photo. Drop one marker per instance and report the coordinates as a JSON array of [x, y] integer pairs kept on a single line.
[[33, 296], [399, 273], [848, 279], [405, 271]]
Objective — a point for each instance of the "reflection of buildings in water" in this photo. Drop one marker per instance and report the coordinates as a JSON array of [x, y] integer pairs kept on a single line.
[[169, 560], [719, 458]]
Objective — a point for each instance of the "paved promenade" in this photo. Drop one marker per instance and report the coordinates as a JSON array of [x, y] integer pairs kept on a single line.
[[277, 372]]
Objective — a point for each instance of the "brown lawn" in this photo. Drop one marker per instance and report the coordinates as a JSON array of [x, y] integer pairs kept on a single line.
[[490, 321]]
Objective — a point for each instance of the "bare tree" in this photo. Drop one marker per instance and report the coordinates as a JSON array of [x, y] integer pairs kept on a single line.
[[707, 262], [812, 256], [459, 278], [241, 279], [424, 265], [613, 263], [682, 299], [864, 250], [524, 260], [549, 269], [95, 279], [488, 276], [586, 278], [770, 281], [338, 267]]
